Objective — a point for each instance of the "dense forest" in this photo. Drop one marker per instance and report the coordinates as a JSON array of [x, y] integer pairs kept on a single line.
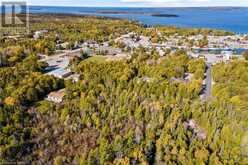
[[135, 112], [141, 110]]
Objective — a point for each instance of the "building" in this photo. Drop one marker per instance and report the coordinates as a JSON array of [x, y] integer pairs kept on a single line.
[[226, 55], [75, 78], [16, 37], [60, 73], [132, 40], [38, 34], [62, 46], [56, 97]]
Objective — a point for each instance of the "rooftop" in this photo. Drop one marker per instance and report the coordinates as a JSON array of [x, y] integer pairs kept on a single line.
[[58, 94], [60, 73]]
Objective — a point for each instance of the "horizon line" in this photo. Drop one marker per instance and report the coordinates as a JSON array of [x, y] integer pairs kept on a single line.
[[140, 6]]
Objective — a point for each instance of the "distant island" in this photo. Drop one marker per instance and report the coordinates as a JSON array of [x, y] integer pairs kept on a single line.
[[165, 15], [144, 13], [122, 12]]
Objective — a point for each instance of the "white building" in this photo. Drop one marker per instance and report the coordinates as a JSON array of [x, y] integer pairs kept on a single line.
[[56, 97], [132, 40], [226, 55], [39, 34]]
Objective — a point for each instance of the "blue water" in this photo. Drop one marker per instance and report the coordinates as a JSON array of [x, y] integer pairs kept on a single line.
[[230, 19]]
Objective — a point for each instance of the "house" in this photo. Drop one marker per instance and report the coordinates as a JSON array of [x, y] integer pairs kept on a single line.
[[38, 34], [56, 97], [60, 73], [14, 37], [113, 51], [75, 78], [160, 51], [178, 80], [227, 55], [62, 46], [132, 40]]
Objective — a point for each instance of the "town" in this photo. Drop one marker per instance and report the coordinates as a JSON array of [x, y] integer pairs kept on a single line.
[[213, 49]]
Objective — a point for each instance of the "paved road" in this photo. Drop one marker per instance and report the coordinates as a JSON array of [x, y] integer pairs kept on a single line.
[[208, 92]]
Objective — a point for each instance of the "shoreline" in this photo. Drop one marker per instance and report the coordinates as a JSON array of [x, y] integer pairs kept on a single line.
[[125, 19], [154, 7], [78, 15], [144, 15]]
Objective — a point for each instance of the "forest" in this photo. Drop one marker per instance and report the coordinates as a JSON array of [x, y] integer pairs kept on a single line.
[[141, 110], [134, 112]]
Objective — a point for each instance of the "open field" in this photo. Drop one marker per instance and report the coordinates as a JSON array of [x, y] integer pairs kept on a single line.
[[97, 59]]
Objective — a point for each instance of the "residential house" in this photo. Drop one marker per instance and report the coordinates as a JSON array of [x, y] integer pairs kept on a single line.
[[38, 34], [56, 97]]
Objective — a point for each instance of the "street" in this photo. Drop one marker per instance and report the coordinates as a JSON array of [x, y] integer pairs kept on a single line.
[[208, 91]]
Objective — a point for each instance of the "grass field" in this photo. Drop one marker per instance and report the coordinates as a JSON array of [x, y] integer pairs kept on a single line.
[[96, 59]]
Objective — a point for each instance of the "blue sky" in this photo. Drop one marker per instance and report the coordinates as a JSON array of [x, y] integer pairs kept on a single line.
[[139, 3]]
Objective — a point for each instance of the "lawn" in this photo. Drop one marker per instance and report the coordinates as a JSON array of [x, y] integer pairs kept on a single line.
[[96, 59]]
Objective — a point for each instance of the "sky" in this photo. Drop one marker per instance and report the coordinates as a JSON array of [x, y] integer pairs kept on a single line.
[[137, 3]]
